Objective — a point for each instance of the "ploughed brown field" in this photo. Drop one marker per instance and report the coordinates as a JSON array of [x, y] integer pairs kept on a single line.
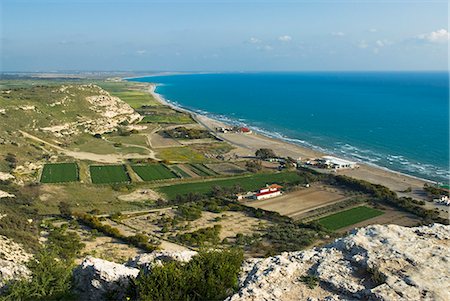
[[295, 204]]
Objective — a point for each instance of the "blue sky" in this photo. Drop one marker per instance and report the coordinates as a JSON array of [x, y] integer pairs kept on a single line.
[[224, 35]]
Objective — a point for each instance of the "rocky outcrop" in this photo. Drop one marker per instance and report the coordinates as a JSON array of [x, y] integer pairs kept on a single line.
[[147, 261], [373, 263], [4, 176], [95, 279], [98, 279], [12, 262], [111, 112]]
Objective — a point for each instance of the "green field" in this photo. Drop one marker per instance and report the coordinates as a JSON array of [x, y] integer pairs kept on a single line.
[[152, 172], [349, 217], [181, 172], [59, 173], [180, 154], [176, 118], [108, 174], [202, 170], [249, 183]]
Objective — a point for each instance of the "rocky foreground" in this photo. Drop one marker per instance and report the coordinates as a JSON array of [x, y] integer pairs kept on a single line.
[[372, 263]]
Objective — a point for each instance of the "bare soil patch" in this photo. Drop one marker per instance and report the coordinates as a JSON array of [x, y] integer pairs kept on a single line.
[[157, 141], [226, 168], [295, 203], [139, 195], [187, 170]]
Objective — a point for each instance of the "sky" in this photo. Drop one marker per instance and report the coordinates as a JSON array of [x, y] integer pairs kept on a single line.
[[227, 35]]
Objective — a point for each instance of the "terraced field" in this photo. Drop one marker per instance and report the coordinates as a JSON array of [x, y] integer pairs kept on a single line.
[[108, 174], [202, 170], [59, 173], [349, 217], [153, 172], [180, 171]]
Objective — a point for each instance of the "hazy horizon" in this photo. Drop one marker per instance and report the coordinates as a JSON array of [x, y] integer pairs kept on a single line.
[[223, 36]]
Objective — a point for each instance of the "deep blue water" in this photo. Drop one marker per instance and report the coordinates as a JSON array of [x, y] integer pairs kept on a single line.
[[398, 120]]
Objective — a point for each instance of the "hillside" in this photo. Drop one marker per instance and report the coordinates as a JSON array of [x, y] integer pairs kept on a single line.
[[372, 263]]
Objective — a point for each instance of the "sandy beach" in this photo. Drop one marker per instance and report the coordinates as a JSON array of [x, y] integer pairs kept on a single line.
[[247, 144]]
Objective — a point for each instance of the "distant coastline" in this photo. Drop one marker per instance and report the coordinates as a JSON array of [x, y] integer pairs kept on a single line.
[[377, 131], [395, 180]]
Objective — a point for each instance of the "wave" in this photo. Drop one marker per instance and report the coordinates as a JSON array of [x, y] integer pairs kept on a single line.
[[390, 162]]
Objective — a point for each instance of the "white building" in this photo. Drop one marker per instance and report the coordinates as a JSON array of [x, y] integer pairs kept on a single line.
[[443, 200], [268, 192], [336, 163]]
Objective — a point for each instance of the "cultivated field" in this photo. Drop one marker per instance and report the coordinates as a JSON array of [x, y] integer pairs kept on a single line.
[[175, 118], [249, 183], [180, 154], [296, 203], [391, 216], [202, 170], [349, 217], [177, 169], [108, 174], [59, 173], [153, 172], [226, 168]]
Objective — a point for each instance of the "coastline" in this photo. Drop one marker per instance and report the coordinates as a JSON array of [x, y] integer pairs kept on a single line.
[[247, 144]]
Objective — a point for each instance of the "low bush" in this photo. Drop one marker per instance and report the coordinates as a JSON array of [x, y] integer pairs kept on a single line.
[[208, 276]]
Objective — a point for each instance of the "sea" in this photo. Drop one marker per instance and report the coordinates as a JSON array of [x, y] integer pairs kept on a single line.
[[394, 120]]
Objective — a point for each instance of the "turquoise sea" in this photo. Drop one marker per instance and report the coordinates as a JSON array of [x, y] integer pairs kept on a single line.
[[396, 120]]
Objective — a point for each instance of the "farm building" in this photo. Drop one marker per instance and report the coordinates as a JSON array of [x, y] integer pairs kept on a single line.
[[268, 192], [336, 163]]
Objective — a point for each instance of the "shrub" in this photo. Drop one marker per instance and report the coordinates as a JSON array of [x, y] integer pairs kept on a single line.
[[265, 153], [201, 236], [51, 270], [208, 276], [189, 213]]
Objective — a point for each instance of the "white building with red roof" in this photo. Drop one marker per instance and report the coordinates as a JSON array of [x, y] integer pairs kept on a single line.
[[268, 192]]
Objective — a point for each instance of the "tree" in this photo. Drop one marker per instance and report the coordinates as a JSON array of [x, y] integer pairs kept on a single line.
[[265, 153], [253, 165], [64, 209]]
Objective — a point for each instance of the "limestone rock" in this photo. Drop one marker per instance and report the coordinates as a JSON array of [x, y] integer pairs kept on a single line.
[[11, 271], [146, 261], [12, 262], [373, 263], [96, 278]]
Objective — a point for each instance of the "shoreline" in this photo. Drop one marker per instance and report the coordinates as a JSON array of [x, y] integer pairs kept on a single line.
[[246, 144]]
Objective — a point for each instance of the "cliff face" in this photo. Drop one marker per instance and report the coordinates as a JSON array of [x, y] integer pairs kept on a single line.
[[372, 263]]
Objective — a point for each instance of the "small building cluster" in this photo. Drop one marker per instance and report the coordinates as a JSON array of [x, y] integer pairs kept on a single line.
[[331, 162], [235, 129], [270, 191], [443, 200]]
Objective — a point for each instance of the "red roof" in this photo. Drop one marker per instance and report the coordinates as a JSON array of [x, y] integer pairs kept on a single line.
[[275, 186], [245, 130]]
